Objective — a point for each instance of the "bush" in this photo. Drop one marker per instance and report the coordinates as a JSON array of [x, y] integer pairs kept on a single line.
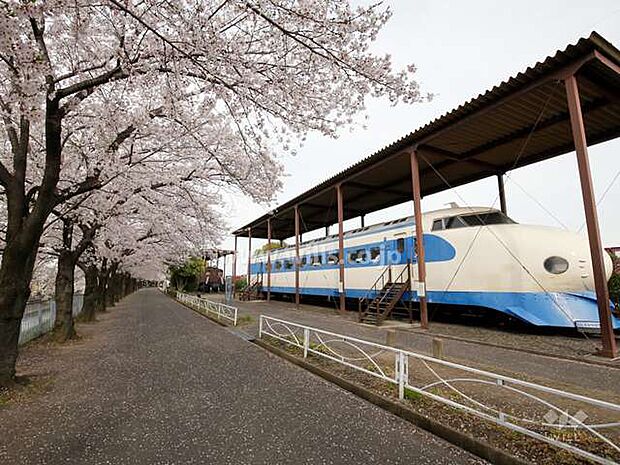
[[614, 289], [240, 284]]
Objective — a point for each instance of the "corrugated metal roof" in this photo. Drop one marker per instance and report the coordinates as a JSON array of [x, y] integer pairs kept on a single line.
[[522, 120]]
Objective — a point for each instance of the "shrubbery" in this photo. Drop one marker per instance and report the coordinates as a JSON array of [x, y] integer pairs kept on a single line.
[[614, 289]]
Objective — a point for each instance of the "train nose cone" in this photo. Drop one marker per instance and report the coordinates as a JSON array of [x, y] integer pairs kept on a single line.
[[551, 259]]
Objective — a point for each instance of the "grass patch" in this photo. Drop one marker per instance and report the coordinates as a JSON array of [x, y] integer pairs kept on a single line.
[[244, 320], [412, 395]]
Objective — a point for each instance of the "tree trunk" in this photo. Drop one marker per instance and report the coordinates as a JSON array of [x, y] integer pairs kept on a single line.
[[15, 276], [64, 326], [90, 292], [102, 286], [111, 289], [23, 232]]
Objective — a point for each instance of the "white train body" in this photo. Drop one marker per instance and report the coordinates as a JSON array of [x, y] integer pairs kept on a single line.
[[474, 256]]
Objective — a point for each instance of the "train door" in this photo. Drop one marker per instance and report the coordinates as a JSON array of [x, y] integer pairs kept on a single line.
[[401, 249]]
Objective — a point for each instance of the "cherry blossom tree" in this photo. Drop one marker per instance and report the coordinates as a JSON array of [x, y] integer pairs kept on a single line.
[[88, 89]]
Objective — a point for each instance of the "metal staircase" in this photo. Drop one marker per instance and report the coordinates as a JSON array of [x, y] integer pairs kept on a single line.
[[384, 296], [253, 291]]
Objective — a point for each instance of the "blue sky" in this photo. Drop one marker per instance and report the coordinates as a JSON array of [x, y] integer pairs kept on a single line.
[[461, 49]]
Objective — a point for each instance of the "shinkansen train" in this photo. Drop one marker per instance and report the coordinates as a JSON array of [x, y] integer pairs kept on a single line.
[[475, 257]]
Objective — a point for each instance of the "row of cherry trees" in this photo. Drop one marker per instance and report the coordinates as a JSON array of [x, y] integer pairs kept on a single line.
[[127, 123]]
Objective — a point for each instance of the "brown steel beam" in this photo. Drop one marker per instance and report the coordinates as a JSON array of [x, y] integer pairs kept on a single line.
[[322, 208], [611, 93], [607, 62], [297, 255], [525, 131], [594, 235], [502, 193], [454, 157], [341, 289], [570, 68], [268, 259], [559, 118], [234, 270], [368, 187], [419, 233]]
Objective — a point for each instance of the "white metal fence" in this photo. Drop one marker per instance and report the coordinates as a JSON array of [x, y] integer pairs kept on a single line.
[[538, 411], [216, 309], [39, 317]]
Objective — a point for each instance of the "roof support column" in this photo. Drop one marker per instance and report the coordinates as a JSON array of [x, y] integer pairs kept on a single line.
[[341, 247], [249, 256], [417, 210], [268, 259], [594, 235], [502, 193], [362, 221], [234, 269], [297, 256]]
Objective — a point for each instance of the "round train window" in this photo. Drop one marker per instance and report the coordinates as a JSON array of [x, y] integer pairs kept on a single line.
[[556, 265]]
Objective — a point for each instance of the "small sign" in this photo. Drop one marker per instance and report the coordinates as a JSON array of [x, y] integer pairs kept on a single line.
[[421, 289]]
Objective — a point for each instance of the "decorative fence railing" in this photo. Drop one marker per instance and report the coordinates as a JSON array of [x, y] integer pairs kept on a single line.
[[39, 317], [534, 410], [216, 309]]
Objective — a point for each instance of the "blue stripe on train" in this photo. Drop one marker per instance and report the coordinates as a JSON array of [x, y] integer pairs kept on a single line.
[[558, 309], [437, 249]]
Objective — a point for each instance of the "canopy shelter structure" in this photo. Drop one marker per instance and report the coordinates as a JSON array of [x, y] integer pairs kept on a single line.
[[212, 256], [560, 105]]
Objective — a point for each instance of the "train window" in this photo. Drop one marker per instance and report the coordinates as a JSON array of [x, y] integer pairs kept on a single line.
[[455, 222], [288, 264], [278, 265], [400, 245], [317, 260], [375, 254], [333, 258], [479, 219], [487, 218], [437, 225], [304, 261], [357, 256]]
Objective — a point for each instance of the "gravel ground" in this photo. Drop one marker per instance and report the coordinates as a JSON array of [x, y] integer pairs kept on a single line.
[[155, 383], [575, 376]]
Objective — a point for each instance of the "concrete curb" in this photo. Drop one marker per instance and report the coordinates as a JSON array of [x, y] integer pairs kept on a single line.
[[459, 439], [514, 349]]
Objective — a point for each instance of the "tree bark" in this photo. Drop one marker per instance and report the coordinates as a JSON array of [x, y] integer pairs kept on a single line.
[[24, 230], [91, 286], [15, 276], [102, 286], [111, 289], [64, 326]]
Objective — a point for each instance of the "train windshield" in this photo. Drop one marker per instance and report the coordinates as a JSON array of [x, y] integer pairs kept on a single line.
[[476, 219]]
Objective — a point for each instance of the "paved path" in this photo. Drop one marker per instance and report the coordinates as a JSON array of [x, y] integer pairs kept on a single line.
[[579, 377], [155, 383]]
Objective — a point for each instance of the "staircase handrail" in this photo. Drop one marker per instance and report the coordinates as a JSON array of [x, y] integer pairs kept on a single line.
[[373, 289]]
